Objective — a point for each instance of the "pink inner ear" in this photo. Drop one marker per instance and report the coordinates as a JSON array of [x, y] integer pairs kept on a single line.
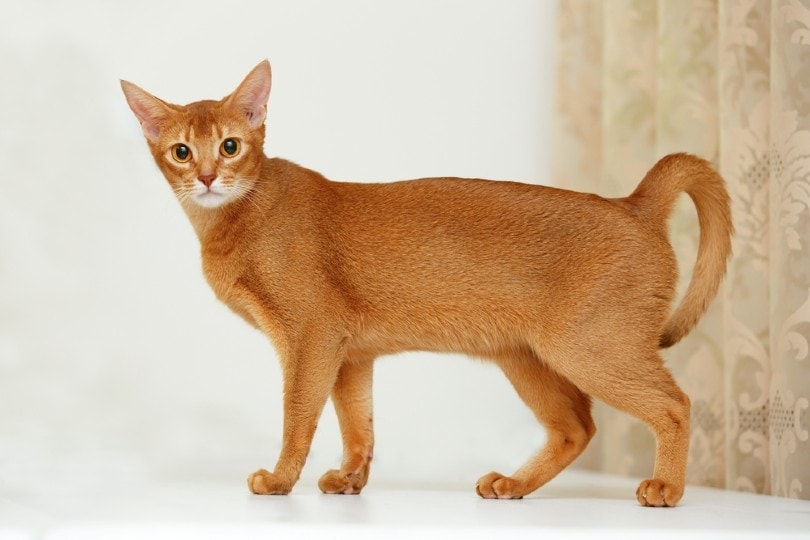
[[150, 131], [251, 115], [256, 117], [252, 95], [149, 110]]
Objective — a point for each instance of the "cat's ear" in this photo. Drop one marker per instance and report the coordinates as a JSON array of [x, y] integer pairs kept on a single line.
[[150, 111], [251, 97]]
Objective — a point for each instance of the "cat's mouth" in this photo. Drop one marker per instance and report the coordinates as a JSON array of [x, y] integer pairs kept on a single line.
[[210, 198]]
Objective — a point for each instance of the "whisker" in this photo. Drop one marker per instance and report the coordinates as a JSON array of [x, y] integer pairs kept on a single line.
[[247, 193], [252, 197], [183, 193]]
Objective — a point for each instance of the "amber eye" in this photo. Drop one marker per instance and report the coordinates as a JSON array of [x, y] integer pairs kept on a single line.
[[229, 147], [181, 153]]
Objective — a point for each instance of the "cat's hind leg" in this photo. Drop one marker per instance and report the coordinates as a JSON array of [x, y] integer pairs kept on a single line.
[[351, 397], [628, 374], [636, 381], [561, 407]]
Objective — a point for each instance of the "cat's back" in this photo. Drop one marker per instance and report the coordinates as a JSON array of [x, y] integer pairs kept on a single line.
[[443, 220], [477, 207], [477, 204]]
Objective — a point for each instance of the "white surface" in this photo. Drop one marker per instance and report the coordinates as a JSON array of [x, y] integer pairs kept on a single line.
[[113, 350], [576, 504]]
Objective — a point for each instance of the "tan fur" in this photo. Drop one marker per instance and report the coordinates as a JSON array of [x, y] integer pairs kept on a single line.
[[569, 293]]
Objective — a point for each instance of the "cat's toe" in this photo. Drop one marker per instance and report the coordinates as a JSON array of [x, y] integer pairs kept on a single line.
[[263, 482], [335, 482], [497, 486], [658, 493]]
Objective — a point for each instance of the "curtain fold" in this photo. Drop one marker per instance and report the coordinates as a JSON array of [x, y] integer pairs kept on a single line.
[[728, 80]]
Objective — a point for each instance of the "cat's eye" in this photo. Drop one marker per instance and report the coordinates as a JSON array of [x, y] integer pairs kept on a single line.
[[181, 153], [230, 147]]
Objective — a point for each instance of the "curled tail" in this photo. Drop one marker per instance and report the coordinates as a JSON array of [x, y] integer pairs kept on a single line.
[[653, 201]]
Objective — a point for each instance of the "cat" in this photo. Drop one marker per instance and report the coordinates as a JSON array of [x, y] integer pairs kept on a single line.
[[568, 293]]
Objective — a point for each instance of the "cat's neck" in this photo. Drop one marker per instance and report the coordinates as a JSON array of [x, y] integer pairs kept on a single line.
[[205, 220]]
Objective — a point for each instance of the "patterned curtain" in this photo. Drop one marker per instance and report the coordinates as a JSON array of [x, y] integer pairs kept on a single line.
[[728, 80]]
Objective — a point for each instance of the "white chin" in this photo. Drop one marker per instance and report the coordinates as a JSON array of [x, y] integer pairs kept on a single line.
[[210, 199]]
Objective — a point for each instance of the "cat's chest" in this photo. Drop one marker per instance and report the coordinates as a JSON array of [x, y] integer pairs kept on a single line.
[[227, 277]]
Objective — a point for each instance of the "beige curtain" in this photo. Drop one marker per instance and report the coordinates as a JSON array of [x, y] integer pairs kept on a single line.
[[728, 80]]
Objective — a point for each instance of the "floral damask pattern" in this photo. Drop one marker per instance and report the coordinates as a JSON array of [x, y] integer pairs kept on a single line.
[[745, 162], [726, 79], [790, 249]]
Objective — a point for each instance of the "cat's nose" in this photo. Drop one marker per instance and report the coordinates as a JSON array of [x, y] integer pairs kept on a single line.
[[207, 179]]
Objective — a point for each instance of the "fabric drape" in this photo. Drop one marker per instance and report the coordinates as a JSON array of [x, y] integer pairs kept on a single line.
[[728, 80]]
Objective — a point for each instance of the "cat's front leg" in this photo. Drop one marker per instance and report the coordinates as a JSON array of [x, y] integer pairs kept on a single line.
[[309, 375], [352, 399]]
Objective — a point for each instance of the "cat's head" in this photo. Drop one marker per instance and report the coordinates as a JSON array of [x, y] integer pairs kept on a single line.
[[211, 152]]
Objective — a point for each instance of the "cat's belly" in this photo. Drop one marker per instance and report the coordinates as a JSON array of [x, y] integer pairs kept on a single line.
[[478, 330]]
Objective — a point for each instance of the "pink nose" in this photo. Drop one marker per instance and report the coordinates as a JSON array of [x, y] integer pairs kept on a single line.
[[207, 179]]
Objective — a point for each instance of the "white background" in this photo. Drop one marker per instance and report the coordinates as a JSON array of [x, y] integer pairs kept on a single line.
[[115, 358]]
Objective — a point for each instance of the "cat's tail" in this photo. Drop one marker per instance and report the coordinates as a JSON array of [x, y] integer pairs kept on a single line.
[[653, 201]]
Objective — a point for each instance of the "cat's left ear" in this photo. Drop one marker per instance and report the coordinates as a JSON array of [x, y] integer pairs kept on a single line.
[[251, 96], [151, 112]]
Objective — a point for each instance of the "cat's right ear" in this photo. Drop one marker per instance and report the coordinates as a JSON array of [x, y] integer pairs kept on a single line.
[[150, 111]]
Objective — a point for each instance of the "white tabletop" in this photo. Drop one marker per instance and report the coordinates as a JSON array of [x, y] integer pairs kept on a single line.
[[577, 504]]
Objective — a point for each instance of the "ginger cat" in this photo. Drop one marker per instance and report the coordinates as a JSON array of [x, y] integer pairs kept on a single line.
[[569, 293]]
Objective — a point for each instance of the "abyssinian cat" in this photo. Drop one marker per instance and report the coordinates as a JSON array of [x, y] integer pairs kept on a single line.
[[569, 293]]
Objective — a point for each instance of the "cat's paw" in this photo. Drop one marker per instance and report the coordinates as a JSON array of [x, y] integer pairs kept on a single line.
[[658, 493], [498, 486], [263, 482], [342, 483]]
